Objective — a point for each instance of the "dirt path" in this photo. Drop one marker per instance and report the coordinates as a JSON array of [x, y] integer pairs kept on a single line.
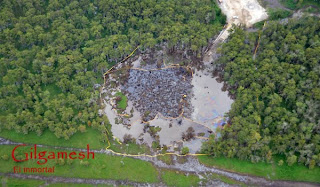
[[238, 12], [210, 55], [191, 166]]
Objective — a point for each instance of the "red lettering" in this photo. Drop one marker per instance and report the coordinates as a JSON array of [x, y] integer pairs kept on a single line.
[[82, 155], [72, 153], [88, 152], [63, 154], [52, 155], [35, 150], [41, 157], [14, 158]]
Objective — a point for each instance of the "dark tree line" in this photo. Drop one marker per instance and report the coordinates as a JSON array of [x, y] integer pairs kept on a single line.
[[277, 106]]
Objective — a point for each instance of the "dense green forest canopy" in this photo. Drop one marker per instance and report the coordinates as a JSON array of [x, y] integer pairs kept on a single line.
[[53, 52], [296, 4], [277, 106]]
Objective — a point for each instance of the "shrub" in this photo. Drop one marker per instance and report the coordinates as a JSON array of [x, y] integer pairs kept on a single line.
[[154, 130], [5, 157], [164, 149], [291, 160], [60, 161], [155, 145], [127, 138], [189, 134], [82, 128], [312, 164], [69, 161], [84, 163], [185, 150]]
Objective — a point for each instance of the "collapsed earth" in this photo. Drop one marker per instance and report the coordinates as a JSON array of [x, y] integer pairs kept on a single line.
[[166, 93]]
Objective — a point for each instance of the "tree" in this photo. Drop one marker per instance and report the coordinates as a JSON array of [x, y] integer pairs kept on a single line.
[[275, 94]]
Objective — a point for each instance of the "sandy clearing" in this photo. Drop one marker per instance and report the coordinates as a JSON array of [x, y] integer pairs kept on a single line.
[[248, 12]]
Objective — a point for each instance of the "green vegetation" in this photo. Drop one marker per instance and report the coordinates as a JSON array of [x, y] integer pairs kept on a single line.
[[122, 102], [13, 182], [185, 150], [102, 166], [312, 9], [277, 97], [225, 179], [132, 148], [154, 130], [78, 185], [169, 177], [79, 140], [53, 90], [275, 14], [71, 185], [296, 4], [259, 24], [156, 145], [53, 54], [177, 179], [292, 4], [166, 159], [262, 169]]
